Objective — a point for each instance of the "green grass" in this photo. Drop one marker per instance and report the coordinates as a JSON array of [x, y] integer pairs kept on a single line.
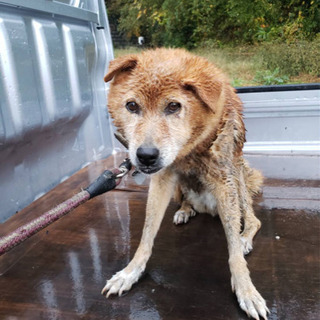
[[246, 65], [240, 64], [124, 51]]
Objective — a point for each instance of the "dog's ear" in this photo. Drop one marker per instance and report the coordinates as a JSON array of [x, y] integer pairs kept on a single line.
[[207, 90], [122, 64]]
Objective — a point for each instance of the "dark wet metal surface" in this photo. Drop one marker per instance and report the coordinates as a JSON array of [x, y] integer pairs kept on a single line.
[[59, 273]]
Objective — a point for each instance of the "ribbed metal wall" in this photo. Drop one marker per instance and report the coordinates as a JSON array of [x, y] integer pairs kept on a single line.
[[53, 117], [283, 132]]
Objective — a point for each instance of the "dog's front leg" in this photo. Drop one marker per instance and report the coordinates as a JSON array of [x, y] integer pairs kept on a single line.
[[160, 192], [249, 298]]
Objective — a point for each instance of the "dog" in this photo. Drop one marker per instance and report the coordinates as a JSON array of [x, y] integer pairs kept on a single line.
[[183, 122]]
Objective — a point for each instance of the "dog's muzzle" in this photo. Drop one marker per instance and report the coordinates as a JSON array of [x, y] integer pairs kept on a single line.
[[148, 159]]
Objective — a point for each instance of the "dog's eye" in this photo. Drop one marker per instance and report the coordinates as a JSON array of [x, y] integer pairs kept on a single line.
[[132, 107], [172, 107]]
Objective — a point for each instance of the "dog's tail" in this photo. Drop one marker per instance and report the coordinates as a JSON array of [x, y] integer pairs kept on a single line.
[[253, 178]]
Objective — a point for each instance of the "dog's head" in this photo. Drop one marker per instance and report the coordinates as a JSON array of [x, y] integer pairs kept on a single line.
[[165, 102]]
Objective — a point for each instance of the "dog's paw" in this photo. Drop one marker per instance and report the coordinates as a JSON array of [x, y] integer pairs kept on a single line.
[[122, 281], [250, 300], [246, 245], [183, 216]]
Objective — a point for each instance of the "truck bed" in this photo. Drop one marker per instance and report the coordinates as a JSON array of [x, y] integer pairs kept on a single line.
[[59, 272]]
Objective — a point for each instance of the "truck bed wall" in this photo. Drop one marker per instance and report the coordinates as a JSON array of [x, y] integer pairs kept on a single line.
[[53, 117]]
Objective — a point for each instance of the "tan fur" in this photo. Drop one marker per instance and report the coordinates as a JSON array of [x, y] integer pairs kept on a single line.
[[200, 155]]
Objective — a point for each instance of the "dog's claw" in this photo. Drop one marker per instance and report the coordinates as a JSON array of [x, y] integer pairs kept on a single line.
[[246, 245], [183, 216], [121, 282], [254, 308], [250, 301], [180, 217], [111, 291], [249, 308]]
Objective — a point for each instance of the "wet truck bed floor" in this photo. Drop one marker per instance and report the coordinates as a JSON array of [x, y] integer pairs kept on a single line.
[[59, 272]]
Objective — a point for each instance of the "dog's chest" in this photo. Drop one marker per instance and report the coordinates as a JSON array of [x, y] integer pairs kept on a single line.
[[203, 202], [197, 193]]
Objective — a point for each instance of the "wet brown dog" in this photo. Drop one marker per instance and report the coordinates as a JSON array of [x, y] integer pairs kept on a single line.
[[183, 122]]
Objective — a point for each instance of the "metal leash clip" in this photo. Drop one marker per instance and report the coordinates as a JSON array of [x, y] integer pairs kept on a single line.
[[124, 168]]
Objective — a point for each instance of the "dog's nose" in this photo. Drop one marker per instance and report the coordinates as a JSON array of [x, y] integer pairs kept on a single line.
[[148, 156]]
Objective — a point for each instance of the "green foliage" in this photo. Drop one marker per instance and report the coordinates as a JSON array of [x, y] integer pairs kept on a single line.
[[237, 82], [190, 23], [287, 32], [268, 77], [245, 64], [293, 58], [136, 17]]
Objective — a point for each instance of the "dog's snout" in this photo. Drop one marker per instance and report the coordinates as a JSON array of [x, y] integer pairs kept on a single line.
[[148, 156]]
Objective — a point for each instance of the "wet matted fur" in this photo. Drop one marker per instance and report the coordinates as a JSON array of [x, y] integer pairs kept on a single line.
[[184, 125]]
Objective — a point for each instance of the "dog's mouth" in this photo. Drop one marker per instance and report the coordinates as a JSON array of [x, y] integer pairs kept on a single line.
[[149, 169]]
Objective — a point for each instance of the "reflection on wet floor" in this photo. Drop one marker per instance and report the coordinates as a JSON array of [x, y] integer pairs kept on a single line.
[[59, 272], [95, 255], [50, 301], [77, 283]]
